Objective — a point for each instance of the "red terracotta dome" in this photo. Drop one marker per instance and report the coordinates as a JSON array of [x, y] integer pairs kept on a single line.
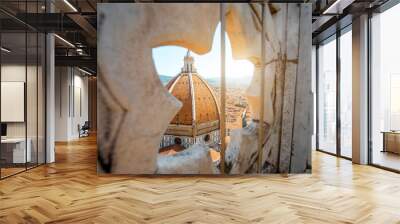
[[200, 112]]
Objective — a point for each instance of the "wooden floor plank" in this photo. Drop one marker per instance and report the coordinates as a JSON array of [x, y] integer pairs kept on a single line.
[[70, 191]]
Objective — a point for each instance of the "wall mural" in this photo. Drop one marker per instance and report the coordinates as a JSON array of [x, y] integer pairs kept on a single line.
[[145, 127]]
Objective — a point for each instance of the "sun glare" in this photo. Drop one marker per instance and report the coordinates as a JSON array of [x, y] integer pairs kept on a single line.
[[168, 62]]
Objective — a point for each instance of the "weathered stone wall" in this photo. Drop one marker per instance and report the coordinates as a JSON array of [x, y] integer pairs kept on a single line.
[[134, 107], [289, 138], [288, 99]]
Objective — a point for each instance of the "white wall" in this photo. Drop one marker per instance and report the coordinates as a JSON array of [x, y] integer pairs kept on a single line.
[[62, 82], [12, 73], [16, 73], [71, 93], [80, 104], [33, 127]]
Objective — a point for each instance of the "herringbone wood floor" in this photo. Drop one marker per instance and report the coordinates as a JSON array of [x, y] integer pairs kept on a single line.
[[70, 191]]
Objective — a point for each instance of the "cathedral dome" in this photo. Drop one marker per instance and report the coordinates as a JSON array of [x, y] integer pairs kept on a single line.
[[200, 112]]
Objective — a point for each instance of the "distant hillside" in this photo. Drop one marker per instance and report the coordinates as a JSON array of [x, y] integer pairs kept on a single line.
[[214, 82], [165, 79], [241, 83]]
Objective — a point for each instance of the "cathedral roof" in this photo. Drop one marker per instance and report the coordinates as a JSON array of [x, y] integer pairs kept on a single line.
[[200, 111]]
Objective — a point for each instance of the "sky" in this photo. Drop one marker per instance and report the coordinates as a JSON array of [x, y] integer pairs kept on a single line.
[[169, 61]]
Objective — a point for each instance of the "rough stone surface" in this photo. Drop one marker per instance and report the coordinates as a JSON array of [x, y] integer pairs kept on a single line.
[[302, 128], [242, 152], [135, 108], [292, 53], [194, 160]]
